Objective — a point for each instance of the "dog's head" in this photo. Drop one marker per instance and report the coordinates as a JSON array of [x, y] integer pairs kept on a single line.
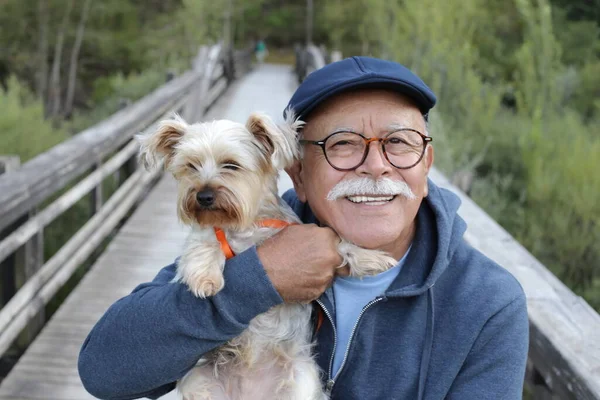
[[224, 169]]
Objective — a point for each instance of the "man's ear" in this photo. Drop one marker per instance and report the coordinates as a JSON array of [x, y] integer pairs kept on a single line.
[[295, 172], [161, 143], [427, 163]]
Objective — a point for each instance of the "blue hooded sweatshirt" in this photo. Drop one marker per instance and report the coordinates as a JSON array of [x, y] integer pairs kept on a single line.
[[452, 325]]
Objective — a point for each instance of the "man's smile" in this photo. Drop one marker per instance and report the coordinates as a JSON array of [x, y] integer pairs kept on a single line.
[[371, 200]]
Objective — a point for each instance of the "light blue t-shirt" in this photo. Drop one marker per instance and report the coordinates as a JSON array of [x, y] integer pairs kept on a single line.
[[351, 296]]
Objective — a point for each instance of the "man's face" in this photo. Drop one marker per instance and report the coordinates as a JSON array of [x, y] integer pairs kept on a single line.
[[384, 225]]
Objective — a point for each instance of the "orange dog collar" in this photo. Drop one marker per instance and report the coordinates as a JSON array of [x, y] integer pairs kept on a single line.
[[267, 223]]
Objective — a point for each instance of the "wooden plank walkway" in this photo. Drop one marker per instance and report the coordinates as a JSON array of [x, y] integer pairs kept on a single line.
[[151, 239]]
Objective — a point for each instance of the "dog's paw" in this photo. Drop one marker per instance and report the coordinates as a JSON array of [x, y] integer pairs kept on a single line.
[[206, 284], [364, 262]]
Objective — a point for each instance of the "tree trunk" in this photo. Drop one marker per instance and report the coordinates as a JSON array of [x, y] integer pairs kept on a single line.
[[54, 90], [309, 21], [74, 57], [227, 15], [42, 73]]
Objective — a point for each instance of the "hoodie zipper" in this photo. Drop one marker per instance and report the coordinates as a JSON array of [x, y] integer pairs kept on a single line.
[[330, 380]]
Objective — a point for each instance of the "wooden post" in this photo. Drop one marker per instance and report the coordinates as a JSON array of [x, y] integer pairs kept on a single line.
[[25, 262], [28, 260], [300, 62], [96, 196], [194, 106], [229, 65], [534, 381], [9, 163], [130, 166], [128, 169], [170, 75], [7, 267]]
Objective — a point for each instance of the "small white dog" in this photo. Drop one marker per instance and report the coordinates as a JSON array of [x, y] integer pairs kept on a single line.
[[227, 192]]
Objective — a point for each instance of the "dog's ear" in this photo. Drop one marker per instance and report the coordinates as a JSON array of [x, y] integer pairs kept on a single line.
[[160, 144], [279, 143], [262, 129]]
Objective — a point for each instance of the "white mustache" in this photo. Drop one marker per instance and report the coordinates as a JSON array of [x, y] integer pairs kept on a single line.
[[367, 186]]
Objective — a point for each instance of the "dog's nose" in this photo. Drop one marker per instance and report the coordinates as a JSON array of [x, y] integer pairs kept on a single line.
[[206, 197]]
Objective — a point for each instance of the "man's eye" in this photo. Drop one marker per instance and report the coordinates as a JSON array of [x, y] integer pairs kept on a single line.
[[346, 143], [396, 141], [341, 143], [232, 165]]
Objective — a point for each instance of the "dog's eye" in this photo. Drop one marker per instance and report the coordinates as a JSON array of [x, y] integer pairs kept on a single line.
[[231, 165], [191, 166]]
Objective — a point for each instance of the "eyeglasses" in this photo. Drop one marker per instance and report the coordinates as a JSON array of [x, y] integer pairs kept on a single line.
[[346, 151]]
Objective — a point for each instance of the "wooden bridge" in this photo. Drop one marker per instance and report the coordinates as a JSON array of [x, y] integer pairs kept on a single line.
[[132, 232]]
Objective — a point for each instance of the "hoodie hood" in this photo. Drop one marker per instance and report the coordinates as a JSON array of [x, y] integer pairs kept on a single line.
[[439, 233]]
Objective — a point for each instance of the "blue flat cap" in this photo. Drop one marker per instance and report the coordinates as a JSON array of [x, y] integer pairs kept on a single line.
[[358, 73]]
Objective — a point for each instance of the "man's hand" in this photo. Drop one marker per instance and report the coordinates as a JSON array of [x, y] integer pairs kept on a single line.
[[301, 261]]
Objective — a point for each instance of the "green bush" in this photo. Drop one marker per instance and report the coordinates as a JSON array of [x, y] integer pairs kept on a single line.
[[586, 97], [114, 92], [23, 130], [562, 199], [131, 87]]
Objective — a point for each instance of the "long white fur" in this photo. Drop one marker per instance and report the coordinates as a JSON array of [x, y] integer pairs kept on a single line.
[[272, 358]]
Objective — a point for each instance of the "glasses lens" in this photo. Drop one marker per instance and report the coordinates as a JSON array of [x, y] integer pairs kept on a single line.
[[345, 150], [404, 148]]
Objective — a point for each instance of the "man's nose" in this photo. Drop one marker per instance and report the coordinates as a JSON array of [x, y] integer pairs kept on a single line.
[[375, 165]]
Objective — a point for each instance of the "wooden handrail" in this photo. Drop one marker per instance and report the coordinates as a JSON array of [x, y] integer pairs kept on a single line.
[[38, 179], [21, 235], [40, 288]]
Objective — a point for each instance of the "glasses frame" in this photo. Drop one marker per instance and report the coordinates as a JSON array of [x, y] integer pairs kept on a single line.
[[368, 140]]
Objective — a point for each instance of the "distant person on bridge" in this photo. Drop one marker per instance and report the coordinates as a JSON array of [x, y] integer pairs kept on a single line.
[[445, 322], [261, 51]]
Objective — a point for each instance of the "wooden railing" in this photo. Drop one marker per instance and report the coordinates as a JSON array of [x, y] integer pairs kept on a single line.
[[78, 168], [308, 59], [564, 348]]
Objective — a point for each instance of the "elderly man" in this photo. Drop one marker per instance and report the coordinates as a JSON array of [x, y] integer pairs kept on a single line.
[[444, 323]]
